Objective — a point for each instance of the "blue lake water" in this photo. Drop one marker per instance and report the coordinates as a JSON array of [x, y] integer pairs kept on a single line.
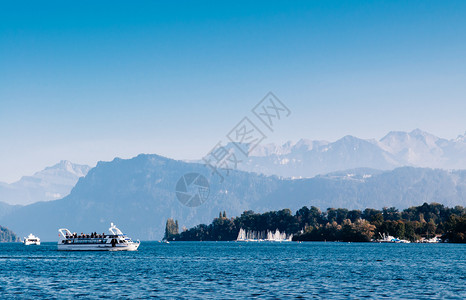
[[237, 270]]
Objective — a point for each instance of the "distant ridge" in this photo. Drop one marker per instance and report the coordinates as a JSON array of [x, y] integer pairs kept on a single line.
[[307, 158], [139, 195], [52, 183]]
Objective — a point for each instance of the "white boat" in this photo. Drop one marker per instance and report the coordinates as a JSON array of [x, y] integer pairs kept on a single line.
[[434, 239], [391, 239], [115, 241], [31, 240]]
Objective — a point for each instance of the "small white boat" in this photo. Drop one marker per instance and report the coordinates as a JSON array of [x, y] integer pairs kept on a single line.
[[31, 240], [115, 241], [391, 239]]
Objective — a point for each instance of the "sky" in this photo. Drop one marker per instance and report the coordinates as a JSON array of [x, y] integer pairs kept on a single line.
[[86, 81]]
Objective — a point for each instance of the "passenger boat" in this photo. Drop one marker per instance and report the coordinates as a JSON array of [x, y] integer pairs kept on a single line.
[[31, 240], [115, 241]]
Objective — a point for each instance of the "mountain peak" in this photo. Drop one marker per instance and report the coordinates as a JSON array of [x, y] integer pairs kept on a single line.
[[303, 144], [418, 131], [53, 182], [307, 158], [394, 135], [423, 134], [461, 138], [402, 136], [66, 167], [349, 138]]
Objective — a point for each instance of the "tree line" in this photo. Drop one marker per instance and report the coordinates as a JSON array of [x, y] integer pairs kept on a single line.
[[337, 224]]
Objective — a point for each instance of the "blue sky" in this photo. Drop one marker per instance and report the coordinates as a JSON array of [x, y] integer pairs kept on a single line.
[[88, 81]]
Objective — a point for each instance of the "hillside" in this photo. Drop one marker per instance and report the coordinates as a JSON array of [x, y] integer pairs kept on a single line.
[[138, 194], [52, 183], [8, 236]]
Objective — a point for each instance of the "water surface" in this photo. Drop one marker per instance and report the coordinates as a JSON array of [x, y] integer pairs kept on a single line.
[[237, 270]]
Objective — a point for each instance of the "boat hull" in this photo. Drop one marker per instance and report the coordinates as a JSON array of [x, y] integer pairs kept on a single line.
[[98, 247], [27, 243]]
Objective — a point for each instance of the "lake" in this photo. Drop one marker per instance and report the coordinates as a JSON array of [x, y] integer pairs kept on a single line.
[[237, 270]]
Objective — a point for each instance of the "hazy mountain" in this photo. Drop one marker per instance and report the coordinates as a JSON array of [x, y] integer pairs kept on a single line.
[[139, 195], [49, 184], [6, 208], [309, 158]]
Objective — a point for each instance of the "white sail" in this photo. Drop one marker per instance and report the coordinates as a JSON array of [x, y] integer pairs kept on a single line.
[[254, 236]]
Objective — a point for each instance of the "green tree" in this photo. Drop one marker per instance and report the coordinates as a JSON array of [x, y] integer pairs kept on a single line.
[[377, 219], [171, 229], [309, 217], [337, 224], [332, 215], [354, 215], [391, 214], [400, 229], [410, 231], [360, 231], [456, 229], [369, 213]]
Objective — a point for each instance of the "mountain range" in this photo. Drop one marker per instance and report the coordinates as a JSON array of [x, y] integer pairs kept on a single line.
[[308, 158], [402, 169], [52, 183], [304, 159], [139, 195]]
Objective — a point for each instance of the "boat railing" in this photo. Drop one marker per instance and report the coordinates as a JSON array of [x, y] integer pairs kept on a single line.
[[113, 229], [88, 237], [64, 233]]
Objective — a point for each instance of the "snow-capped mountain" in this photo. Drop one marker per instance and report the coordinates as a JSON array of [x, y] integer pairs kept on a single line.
[[303, 159], [141, 194], [52, 183], [308, 158]]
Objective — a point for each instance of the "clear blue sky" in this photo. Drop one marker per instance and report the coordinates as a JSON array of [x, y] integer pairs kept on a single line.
[[88, 81]]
